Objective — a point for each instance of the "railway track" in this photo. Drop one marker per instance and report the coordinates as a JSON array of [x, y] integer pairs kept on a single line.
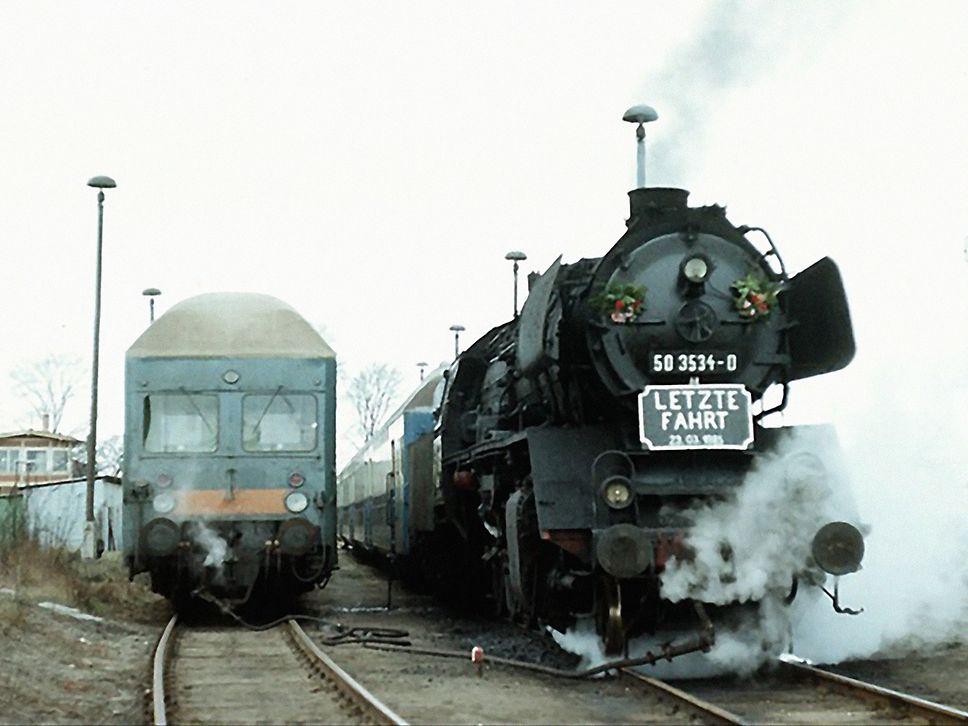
[[798, 693], [233, 675]]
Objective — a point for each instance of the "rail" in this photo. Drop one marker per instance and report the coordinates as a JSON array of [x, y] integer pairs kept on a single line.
[[348, 685], [914, 706], [352, 695], [708, 712], [159, 668]]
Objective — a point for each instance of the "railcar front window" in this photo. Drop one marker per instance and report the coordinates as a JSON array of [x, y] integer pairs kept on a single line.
[[177, 423], [279, 422]]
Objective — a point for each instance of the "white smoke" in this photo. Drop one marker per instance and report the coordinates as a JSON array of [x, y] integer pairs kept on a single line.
[[753, 544], [212, 543], [910, 472], [582, 640], [747, 549], [740, 648], [726, 53]]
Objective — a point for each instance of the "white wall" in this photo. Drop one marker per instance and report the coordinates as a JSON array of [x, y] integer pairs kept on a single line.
[[56, 513]]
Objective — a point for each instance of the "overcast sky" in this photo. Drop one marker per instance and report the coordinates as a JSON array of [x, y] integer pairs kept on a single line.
[[371, 163]]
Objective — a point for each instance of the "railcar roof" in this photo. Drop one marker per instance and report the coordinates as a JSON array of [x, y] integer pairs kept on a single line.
[[230, 325], [422, 397]]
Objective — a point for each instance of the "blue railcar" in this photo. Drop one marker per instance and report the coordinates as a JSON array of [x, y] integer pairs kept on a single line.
[[386, 493], [229, 450]]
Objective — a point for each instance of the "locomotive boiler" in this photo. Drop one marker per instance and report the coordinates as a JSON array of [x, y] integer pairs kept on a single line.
[[229, 450], [577, 441]]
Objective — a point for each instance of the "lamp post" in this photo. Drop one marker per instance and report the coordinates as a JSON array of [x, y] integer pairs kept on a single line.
[[421, 365], [151, 293], [516, 257], [457, 330], [89, 545], [640, 115]]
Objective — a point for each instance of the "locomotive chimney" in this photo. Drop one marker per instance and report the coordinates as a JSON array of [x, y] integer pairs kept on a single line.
[[655, 201], [640, 115]]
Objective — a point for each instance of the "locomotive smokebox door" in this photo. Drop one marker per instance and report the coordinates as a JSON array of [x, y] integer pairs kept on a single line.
[[822, 338]]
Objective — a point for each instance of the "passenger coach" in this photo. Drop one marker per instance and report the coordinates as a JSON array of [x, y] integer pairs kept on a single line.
[[386, 493]]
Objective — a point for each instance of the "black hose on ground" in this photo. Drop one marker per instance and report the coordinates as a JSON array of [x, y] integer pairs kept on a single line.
[[698, 643], [340, 633]]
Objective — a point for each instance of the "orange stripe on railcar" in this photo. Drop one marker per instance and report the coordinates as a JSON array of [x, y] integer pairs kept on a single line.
[[212, 502]]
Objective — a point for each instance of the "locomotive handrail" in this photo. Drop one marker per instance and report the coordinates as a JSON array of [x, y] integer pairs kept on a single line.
[[772, 251]]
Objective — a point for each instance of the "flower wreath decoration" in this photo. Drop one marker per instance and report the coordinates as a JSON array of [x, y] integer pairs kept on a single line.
[[754, 296], [622, 302]]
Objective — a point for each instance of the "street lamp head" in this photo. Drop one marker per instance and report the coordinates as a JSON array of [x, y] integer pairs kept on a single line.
[[516, 256], [102, 182], [457, 328], [641, 114], [151, 292]]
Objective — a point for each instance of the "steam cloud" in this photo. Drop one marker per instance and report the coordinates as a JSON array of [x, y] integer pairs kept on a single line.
[[738, 43], [214, 546], [908, 466], [911, 492], [747, 549], [753, 545]]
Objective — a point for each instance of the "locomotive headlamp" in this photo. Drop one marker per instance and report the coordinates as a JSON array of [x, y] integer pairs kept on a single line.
[[164, 480], [617, 492], [163, 503], [838, 547], [296, 502], [296, 479], [696, 269]]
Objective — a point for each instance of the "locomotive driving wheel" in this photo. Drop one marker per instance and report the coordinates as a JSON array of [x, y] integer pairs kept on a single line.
[[608, 610]]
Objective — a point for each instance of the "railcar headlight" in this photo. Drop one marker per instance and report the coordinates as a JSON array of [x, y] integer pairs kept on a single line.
[[164, 480], [296, 480], [296, 502], [163, 503], [616, 492], [696, 269]]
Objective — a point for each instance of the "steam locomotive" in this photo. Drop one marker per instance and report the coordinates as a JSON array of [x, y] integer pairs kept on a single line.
[[577, 442], [229, 450]]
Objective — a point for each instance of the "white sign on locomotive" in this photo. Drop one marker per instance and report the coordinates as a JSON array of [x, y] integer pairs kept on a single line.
[[698, 416]]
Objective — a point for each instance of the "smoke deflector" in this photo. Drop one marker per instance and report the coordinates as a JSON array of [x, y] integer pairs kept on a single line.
[[821, 338]]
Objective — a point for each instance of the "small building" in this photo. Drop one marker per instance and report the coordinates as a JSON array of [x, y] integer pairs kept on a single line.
[[35, 457], [43, 492]]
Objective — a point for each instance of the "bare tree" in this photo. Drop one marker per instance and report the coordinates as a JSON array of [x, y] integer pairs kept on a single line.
[[372, 391], [108, 457], [48, 384]]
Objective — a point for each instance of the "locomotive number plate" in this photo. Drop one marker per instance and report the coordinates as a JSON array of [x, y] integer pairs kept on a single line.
[[680, 361], [704, 416]]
